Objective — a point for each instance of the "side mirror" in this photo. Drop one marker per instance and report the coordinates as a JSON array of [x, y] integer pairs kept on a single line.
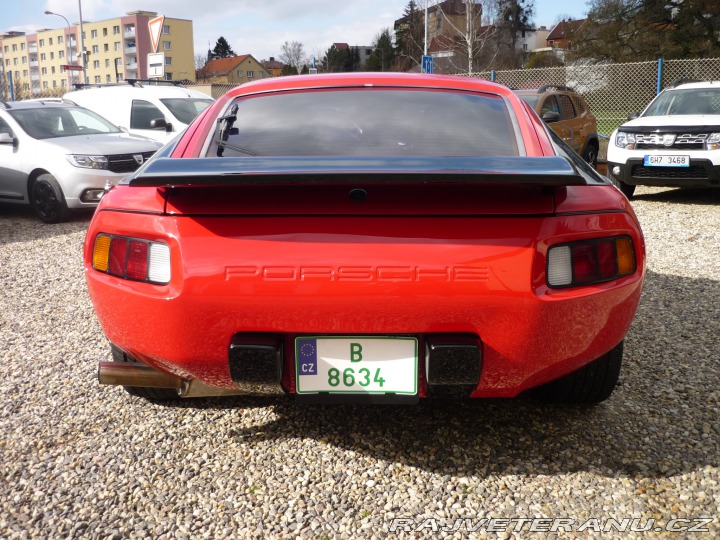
[[158, 123], [6, 138], [550, 116], [169, 127], [633, 115]]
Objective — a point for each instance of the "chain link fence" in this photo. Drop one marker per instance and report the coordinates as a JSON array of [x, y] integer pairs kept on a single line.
[[611, 90]]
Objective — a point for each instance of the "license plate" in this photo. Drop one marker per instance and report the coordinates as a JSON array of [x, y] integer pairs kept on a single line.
[[356, 365], [667, 161]]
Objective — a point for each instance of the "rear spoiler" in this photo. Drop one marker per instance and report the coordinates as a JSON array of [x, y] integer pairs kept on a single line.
[[551, 171]]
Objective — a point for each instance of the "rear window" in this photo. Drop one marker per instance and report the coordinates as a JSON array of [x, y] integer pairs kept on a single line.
[[370, 122]]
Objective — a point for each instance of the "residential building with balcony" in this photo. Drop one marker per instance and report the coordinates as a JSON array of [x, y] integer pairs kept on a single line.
[[117, 49]]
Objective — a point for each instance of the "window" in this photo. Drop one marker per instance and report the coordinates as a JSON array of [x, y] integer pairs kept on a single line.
[[567, 110], [106, 47], [43, 71], [142, 113], [550, 105], [480, 124], [168, 60], [118, 61], [14, 47], [108, 78], [42, 56], [61, 54], [168, 76], [117, 45], [105, 32], [6, 48], [41, 42], [54, 84], [52, 56], [15, 61], [524, 46], [96, 64], [22, 46], [239, 73], [250, 74], [116, 30], [96, 49], [25, 73], [7, 61], [52, 70], [93, 34], [63, 83], [551, 43], [166, 45], [60, 40], [50, 41], [165, 29], [24, 59], [45, 85], [107, 62], [98, 79]]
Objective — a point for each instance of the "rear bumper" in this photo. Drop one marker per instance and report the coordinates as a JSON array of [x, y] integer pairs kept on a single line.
[[285, 276]]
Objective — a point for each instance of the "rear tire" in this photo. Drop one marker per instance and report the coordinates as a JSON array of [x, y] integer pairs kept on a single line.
[[627, 189], [154, 394], [590, 384], [48, 201]]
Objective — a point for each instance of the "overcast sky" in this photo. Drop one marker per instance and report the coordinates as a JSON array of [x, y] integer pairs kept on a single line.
[[256, 27]]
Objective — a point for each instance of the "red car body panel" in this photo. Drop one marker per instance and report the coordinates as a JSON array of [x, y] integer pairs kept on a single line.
[[307, 260]]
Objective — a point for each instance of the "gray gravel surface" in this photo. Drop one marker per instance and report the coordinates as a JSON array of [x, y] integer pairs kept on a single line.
[[82, 461]]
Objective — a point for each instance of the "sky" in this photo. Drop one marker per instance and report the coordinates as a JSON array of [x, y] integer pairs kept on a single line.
[[254, 27]]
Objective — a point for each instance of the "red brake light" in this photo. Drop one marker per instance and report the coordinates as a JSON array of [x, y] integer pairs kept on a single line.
[[137, 262]]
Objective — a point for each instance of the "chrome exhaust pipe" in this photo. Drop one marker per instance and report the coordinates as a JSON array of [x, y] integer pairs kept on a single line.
[[137, 374]]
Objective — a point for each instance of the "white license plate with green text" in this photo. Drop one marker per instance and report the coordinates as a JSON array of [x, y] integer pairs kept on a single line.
[[356, 365]]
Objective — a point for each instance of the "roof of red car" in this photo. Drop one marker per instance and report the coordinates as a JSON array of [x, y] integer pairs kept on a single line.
[[412, 80]]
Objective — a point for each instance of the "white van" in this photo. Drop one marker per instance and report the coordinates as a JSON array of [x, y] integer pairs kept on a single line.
[[159, 112]]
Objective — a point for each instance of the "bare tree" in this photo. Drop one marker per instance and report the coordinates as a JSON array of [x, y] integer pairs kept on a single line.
[[293, 54], [200, 61], [469, 33]]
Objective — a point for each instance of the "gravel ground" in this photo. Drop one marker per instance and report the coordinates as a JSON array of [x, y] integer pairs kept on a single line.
[[82, 461]]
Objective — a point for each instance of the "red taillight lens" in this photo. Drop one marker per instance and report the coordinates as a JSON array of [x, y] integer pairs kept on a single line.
[[591, 261], [137, 261], [584, 261], [118, 256]]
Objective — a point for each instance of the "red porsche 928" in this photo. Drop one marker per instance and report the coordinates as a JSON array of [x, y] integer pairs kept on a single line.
[[366, 238]]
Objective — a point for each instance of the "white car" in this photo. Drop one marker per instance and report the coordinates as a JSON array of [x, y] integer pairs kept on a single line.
[[674, 142], [58, 157], [159, 112]]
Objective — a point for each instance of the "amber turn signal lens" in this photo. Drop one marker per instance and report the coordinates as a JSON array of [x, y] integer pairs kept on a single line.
[[101, 253], [625, 256]]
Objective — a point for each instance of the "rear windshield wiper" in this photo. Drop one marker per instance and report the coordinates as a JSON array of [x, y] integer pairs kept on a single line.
[[226, 130]]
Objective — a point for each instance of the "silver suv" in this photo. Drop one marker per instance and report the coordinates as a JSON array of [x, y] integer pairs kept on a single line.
[[57, 157]]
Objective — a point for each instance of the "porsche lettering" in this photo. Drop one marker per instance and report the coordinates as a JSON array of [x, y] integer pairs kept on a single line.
[[359, 273]]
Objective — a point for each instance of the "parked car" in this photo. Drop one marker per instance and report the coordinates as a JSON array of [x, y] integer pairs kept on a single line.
[[366, 238], [674, 142], [58, 157], [567, 114], [159, 112]]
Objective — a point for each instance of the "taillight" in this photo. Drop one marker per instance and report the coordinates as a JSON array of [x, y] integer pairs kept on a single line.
[[132, 258], [590, 261]]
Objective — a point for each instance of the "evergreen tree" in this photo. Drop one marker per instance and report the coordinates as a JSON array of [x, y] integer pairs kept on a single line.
[[222, 49]]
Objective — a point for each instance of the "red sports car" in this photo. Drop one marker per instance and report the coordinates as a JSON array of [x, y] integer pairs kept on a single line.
[[372, 238]]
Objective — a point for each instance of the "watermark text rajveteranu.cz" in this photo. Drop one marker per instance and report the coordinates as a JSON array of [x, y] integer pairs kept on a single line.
[[499, 525]]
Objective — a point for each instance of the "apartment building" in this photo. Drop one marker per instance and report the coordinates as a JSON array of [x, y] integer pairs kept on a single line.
[[116, 49]]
